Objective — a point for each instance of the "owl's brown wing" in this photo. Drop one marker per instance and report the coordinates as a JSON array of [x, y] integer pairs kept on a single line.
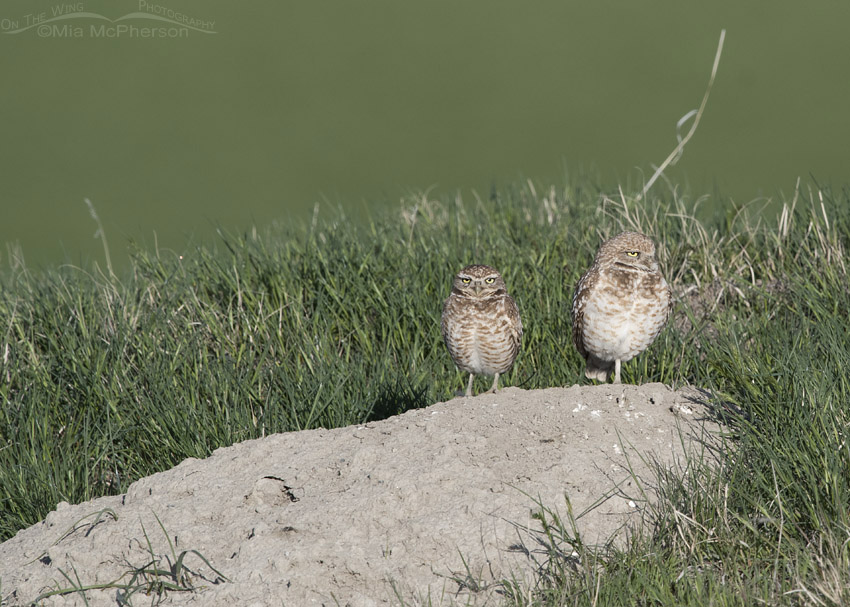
[[444, 321], [512, 311], [577, 313]]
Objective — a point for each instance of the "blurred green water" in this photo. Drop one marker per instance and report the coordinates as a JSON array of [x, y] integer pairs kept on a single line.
[[360, 103]]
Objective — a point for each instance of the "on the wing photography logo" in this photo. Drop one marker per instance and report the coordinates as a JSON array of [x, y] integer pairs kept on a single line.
[[150, 20]]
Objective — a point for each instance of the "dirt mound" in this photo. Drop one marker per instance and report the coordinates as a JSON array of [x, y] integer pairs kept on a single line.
[[405, 508]]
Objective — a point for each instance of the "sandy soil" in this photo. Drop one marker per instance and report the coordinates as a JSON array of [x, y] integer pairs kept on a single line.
[[380, 514]]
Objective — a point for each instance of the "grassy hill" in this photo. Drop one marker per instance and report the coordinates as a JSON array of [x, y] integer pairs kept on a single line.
[[105, 380]]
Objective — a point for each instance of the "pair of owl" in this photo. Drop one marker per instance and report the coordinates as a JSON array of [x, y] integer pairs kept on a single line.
[[619, 307]]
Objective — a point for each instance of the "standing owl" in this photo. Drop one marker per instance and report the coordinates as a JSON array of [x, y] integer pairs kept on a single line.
[[481, 324], [620, 305]]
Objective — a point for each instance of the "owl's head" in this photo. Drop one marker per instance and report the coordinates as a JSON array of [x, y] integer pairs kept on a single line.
[[629, 251], [479, 282]]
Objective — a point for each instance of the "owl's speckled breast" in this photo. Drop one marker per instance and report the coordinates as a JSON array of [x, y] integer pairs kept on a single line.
[[480, 338], [630, 318]]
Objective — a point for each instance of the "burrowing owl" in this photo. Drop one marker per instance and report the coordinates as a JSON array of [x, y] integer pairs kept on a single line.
[[620, 305], [481, 324]]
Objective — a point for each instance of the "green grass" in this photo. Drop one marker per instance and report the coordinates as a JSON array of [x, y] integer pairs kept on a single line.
[[107, 380]]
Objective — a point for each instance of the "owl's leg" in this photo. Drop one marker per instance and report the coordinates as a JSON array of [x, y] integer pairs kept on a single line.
[[617, 371], [495, 386], [469, 385]]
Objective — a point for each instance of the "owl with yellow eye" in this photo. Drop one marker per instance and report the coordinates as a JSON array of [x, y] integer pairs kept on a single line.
[[481, 325], [620, 305]]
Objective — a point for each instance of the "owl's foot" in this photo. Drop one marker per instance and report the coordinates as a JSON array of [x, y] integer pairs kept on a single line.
[[495, 387]]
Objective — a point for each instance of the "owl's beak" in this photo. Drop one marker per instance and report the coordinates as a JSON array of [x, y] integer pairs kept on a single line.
[[478, 289]]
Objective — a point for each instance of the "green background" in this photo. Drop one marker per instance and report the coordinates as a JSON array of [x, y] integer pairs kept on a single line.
[[360, 103]]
